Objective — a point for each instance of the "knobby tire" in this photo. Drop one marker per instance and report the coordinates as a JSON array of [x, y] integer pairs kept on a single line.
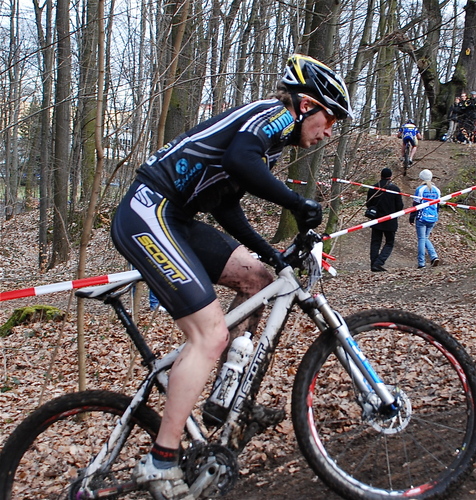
[[427, 450], [406, 158], [44, 455]]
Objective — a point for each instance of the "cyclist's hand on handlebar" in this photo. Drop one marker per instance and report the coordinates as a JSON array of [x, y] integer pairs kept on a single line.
[[308, 214], [277, 260]]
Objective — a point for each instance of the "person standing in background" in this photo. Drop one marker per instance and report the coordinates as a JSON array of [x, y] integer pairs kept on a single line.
[[426, 218], [386, 203], [453, 117]]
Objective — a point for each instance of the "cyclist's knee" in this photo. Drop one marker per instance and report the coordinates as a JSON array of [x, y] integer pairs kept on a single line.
[[244, 273]]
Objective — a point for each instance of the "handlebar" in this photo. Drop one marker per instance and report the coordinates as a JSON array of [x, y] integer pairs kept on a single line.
[[305, 253]]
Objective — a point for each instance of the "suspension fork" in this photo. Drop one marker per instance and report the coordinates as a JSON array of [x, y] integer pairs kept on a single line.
[[352, 357]]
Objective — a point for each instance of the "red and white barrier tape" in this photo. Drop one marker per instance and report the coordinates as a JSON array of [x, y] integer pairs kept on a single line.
[[294, 181], [457, 205], [399, 214], [132, 275], [69, 285]]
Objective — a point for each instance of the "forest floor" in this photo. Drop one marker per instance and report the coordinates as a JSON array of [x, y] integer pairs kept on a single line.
[[38, 361]]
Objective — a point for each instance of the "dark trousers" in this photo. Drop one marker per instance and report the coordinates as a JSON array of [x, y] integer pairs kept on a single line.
[[377, 257]]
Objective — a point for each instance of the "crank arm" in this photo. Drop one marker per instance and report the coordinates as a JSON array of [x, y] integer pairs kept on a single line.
[[208, 474]]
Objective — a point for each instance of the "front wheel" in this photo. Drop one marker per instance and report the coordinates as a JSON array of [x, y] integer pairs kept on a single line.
[[46, 453], [426, 449]]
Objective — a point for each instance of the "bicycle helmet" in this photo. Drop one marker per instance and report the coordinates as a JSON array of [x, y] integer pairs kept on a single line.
[[307, 75]]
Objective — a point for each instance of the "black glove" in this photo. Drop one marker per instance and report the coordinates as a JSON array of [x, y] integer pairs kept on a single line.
[[308, 214], [276, 260], [412, 218]]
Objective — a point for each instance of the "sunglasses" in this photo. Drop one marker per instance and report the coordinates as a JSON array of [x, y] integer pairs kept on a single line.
[[332, 119]]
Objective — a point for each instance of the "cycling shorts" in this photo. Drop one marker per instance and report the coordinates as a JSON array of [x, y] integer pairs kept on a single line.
[[412, 140], [180, 258]]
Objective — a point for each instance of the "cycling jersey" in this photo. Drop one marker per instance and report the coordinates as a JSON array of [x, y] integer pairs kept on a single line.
[[207, 169], [224, 157], [408, 133]]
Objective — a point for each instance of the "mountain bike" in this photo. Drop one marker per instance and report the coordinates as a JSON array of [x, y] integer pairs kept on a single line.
[[406, 157], [383, 406]]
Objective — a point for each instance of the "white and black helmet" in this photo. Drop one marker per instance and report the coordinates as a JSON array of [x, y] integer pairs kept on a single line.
[[307, 75]]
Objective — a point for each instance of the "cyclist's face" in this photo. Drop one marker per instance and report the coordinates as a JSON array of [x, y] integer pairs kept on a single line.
[[315, 128]]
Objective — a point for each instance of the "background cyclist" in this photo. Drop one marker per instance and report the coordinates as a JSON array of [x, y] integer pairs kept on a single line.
[[208, 169], [409, 133]]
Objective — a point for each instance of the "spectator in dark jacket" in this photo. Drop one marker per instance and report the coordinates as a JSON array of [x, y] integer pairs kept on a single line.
[[386, 203], [453, 117]]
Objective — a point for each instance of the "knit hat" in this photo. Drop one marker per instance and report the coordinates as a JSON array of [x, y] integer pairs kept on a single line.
[[386, 173], [426, 175]]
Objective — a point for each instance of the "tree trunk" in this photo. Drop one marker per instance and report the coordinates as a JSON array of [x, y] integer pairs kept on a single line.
[[60, 248], [181, 10], [45, 38], [87, 103], [385, 68], [12, 115], [95, 191], [321, 29], [362, 58]]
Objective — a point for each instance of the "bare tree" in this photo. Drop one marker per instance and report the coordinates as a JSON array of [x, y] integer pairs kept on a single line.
[[87, 96], [45, 38], [60, 250], [12, 114]]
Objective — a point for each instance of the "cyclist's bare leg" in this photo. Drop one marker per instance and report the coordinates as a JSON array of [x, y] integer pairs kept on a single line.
[[207, 336], [412, 152], [247, 276]]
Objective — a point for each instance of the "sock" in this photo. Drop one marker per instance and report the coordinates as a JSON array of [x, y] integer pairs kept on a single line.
[[164, 458]]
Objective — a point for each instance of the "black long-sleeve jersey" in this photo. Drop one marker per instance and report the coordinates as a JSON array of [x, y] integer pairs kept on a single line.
[[222, 157], [210, 167]]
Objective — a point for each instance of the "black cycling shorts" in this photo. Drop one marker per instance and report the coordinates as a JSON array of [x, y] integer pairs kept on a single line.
[[180, 258]]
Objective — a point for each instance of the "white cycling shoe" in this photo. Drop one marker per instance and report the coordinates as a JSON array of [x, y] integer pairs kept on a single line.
[[162, 484]]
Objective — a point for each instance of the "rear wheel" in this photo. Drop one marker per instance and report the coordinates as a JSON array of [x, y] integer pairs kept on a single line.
[[45, 454], [427, 448], [406, 157]]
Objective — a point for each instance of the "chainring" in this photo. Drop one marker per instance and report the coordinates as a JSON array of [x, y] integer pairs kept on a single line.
[[198, 457]]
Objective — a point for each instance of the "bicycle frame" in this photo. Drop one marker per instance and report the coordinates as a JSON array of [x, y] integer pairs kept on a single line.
[[285, 291]]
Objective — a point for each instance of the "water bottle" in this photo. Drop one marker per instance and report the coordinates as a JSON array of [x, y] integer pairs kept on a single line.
[[226, 384]]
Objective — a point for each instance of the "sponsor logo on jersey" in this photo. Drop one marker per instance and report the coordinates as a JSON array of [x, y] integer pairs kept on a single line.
[[182, 183], [165, 147], [152, 249], [151, 160], [181, 166], [278, 123]]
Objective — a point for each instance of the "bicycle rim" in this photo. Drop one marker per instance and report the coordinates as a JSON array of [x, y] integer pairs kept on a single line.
[[44, 456], [423, 452], [406, 158]]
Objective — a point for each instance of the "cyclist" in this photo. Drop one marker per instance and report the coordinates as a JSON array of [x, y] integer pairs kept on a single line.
[[409, 133], [208, 169]]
